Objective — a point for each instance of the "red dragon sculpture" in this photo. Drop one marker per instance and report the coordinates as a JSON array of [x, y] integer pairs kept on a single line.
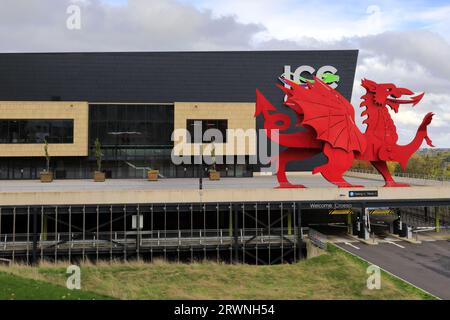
[[329, 126]]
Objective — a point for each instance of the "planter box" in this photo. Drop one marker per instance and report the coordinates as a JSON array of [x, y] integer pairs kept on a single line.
[[46, 176], [214, 175], [152, 175], [99, 176]]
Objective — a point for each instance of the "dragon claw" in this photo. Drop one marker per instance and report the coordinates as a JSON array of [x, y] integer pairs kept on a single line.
[[349, 185], [426, 120]]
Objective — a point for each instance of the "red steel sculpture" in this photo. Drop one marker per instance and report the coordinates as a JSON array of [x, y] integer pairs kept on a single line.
[[328, 120]]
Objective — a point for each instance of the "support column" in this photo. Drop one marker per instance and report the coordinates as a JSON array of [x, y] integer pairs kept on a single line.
[[364, 231], [70, 234], [56, 235], [349, 223], [437, 217], [230, 221], [282, 232], [110, 234], [138, 233], [299, 232], [289, 221], [243, 232], [14, 236], [97, 233], [235, 233], [44, 227], [28, 235], [35, 237]]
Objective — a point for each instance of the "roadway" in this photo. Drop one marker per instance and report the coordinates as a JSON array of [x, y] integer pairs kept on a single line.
[[426, 265]]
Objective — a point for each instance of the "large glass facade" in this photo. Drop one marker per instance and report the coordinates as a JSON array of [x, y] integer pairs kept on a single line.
[[36, 131], [124, 125], [133, 136]]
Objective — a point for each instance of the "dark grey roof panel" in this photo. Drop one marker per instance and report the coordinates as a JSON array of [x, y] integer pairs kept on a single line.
[[160, 76]]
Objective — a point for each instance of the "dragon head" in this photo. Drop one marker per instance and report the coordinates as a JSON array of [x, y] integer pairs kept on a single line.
[[383, 94]]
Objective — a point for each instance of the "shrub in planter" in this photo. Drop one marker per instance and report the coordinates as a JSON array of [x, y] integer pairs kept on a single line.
[[46, 175], [99, 176], [214, 175], [152, 175]]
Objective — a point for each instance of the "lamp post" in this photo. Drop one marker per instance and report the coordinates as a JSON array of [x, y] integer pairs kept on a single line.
[[199, 123], [200, 179], [200, 182]]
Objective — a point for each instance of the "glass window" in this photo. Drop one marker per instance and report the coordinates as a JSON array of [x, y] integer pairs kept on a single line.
[[143, 126], [36, 131], [4, 131], [203, 125]]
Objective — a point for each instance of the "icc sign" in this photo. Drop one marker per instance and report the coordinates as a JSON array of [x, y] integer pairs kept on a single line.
[[326, 73]]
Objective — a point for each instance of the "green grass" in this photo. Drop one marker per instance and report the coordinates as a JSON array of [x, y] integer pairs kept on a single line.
[[13, 287], [334, 275]]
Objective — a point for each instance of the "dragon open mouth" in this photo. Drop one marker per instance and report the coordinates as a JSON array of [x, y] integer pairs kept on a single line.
[[393, 101]]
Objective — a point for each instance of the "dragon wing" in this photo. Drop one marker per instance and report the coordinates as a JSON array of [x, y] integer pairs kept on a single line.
[[327, 112]]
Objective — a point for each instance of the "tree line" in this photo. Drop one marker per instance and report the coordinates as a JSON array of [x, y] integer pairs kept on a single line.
[[433, 164]]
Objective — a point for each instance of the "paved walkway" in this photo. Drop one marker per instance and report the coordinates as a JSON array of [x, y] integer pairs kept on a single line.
[[264, 182]]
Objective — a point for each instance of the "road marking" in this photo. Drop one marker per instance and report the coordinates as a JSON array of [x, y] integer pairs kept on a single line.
[[349, 244], [395, 244]]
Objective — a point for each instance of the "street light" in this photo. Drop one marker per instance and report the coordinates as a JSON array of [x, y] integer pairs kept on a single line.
[[199, 123], [200, 179]]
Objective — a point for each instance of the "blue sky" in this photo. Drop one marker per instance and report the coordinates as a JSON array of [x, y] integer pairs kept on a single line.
[[405, 42]]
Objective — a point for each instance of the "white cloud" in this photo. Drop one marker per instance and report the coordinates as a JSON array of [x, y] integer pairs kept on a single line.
[[403, 43], [40, 25]]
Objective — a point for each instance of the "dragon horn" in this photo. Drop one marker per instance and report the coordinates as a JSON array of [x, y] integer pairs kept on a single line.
[[285, 90], [292, 84], [417, 98]]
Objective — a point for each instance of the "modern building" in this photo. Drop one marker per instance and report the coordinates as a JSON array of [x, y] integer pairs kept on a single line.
[[132, 102]]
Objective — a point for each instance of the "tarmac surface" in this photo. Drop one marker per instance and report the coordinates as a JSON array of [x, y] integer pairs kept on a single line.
[[425, 265]]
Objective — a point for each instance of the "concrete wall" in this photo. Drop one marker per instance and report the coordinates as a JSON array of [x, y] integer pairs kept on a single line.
[[60, 195]]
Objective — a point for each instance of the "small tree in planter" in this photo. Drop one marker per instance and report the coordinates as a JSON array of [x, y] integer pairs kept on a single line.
[[152, 175], [46, 175], [213, 173], [99, 176]]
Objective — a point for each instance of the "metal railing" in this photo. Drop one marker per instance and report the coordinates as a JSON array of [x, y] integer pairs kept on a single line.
[[147, 239], [408, 175]]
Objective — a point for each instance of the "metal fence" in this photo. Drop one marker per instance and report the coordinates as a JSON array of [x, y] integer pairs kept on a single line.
[[407, 175]]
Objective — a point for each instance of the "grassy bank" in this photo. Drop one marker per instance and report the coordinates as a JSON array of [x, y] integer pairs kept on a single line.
[[14, 287], [334, 275]]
